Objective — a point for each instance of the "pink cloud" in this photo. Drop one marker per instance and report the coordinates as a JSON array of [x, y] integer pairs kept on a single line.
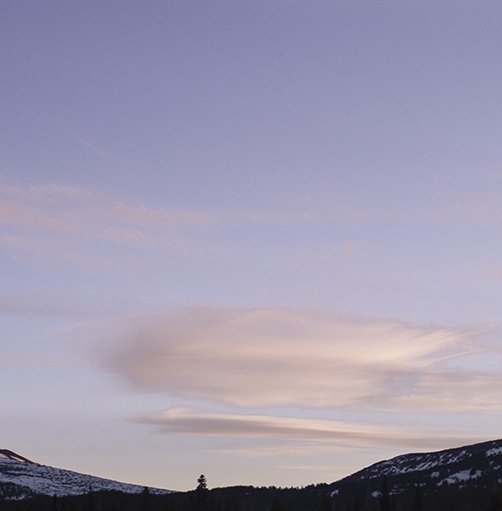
[[288, 357], [182, 421], [42, 217], [161, 217]]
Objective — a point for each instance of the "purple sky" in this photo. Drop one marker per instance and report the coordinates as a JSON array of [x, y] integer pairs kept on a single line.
[[258, 240]]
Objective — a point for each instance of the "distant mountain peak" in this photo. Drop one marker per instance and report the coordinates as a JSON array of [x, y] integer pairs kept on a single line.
[[5, 453], [459, 473], [21, 478]]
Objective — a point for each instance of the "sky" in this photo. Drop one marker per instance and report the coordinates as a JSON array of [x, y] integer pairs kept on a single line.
[[258, 240]]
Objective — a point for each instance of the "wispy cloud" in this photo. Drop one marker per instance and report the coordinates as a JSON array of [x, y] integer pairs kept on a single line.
[[16, 242], [288, 357], [36, 219], [19, 216], [77, 210], [485, 211], [43, 193], [26, 307], [161, 217], [191, 422], [103, 152]]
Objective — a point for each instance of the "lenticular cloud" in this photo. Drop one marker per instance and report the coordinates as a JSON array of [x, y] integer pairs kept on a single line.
[[180, 421], [287, 357]]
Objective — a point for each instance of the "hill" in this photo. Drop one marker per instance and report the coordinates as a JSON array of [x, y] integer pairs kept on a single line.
[[21, 478]]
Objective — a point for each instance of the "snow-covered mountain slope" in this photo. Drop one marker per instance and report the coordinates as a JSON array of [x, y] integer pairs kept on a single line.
[[472, 467], [22, 478]]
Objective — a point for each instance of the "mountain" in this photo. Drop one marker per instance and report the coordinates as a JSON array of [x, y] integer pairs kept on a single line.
[[465, 474], [21, 478], [461, 479]]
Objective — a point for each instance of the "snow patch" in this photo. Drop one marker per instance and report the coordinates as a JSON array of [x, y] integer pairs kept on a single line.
[[464, 475]]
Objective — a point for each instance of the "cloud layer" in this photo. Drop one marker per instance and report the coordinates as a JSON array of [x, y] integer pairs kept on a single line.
[[80, 226], [287, 357], [190, 422], [36, 218], [82, 212]]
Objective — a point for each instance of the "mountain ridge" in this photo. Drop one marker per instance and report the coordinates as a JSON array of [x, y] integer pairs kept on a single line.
[[462, 478], [467, 473], [21, 478], [426, 461], [6, 453]]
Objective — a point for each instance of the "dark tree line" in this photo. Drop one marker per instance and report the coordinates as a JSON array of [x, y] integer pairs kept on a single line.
[[249, 498]]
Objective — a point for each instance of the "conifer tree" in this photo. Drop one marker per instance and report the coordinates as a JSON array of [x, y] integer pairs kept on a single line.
[[202, 483], [90, 506], [357, 505], [144, 502], [417, 500], [385, 498], [276, 506], [495, 501], [201, 494], [325, 503]]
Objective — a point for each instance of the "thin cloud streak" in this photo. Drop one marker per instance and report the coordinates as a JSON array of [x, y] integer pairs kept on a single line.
[[46, 193], [289, 357], [103, 152], [45, 214], [189, 422], [38, 218], [161, 217], [76, 210], [40, 308]]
